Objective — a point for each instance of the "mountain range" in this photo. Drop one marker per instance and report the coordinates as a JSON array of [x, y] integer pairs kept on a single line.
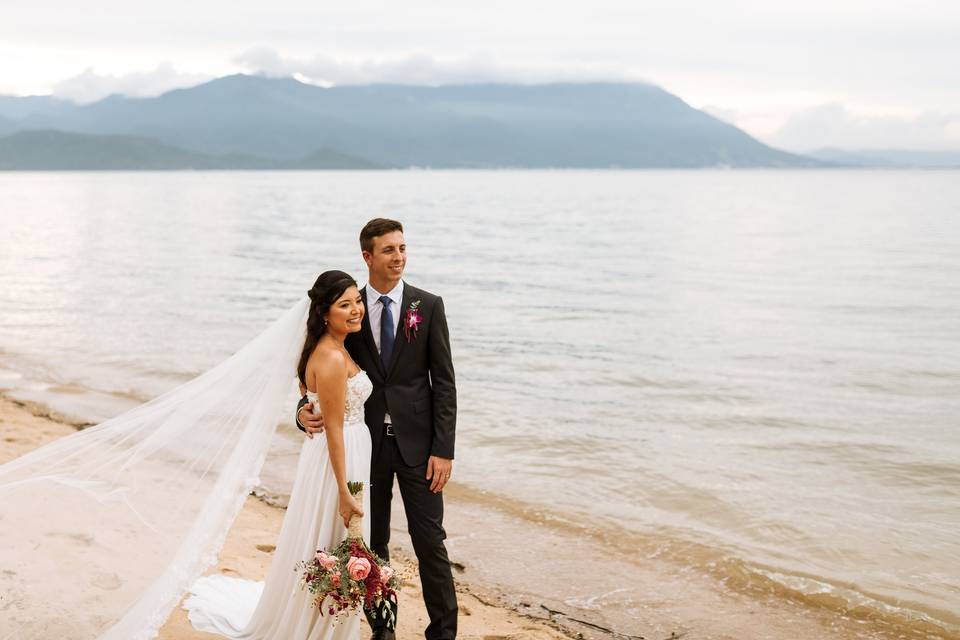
[[49, 150], [253, 122]]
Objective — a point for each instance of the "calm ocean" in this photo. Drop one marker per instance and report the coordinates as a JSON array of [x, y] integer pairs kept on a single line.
[[753, 376]]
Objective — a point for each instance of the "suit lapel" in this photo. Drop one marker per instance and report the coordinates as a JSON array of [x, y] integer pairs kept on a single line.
[[367, 333], [400, 339]]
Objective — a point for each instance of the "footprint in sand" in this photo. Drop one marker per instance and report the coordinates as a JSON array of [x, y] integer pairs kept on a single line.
[[107, 581], [82, 538]]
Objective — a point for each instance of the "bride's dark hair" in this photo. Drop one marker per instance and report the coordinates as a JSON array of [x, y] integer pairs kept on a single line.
[[329, 286]]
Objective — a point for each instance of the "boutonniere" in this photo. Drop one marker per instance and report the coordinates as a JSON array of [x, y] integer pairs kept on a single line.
[[412, 321]]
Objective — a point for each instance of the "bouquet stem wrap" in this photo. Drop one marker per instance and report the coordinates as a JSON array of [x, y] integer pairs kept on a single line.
[[355, 530]]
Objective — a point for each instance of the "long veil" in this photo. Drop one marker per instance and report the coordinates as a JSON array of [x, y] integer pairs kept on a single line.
[[101, 532]]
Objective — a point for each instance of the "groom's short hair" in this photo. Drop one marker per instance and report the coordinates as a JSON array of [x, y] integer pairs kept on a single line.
[[375, 228]]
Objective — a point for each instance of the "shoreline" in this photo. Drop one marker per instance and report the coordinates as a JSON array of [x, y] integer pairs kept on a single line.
[[663, 600]]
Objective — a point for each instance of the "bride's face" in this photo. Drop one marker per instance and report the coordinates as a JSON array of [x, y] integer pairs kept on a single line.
[[346, 313]]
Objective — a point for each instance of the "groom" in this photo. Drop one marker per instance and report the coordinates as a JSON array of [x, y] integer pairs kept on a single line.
[[404, 347]]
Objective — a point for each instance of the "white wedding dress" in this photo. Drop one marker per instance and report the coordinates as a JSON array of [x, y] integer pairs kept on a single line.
[[279, 609]]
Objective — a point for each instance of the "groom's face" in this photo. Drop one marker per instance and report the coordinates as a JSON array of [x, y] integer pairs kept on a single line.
[[388, 258]]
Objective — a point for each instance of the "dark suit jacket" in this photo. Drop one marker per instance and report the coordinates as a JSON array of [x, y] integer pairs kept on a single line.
[[418, 387]]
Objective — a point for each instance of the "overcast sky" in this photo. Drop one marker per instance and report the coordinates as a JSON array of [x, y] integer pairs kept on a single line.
[[801, 75]]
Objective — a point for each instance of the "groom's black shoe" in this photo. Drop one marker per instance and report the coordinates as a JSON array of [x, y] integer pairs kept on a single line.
[[379, 626]]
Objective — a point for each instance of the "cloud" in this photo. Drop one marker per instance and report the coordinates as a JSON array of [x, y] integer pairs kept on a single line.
[[91, 86], [418, 68], [722, 113], [834, 125]]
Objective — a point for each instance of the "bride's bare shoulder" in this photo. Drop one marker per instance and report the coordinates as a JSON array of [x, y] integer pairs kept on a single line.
[[327, 365]]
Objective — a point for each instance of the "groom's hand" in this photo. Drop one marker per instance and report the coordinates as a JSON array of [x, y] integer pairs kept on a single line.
[[311, 424], [438, 472]]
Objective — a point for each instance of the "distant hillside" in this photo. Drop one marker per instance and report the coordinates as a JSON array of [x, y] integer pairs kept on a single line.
[[68, 151], [15, 108], [59, 151], [889, 158], [593, 125]]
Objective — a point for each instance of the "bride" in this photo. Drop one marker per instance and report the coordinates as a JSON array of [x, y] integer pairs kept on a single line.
[[102, 532], [330, 378]]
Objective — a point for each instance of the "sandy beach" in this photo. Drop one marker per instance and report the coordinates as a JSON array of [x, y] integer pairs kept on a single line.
[[247, 554], [249, 546], [676, 603]]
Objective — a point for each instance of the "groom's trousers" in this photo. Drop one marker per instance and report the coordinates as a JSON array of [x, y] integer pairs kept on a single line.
[[424, 510]]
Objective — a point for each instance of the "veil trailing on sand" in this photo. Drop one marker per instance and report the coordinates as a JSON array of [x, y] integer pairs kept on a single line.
[[103, 531]]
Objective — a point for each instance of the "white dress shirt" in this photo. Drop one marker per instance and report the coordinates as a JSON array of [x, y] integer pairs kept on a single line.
[[375, 311]]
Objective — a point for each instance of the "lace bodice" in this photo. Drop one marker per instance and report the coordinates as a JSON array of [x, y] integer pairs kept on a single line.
[[359, 389]]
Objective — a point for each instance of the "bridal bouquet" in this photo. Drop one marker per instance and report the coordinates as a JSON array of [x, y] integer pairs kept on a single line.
[[351, 575]]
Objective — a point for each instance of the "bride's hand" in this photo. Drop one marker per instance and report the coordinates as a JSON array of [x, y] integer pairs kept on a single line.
[[348, 507]]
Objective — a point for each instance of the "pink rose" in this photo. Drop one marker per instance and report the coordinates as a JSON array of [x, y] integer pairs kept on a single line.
[[385, 574], [335, 580], [326, 561], [359, 568]]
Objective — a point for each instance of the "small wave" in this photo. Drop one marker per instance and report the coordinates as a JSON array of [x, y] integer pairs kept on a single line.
[[886, 616]]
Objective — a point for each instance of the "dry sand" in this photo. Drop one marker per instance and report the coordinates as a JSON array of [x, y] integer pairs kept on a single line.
[[249, 547]]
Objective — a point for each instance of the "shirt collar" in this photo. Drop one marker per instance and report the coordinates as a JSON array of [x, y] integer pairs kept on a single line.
[[395, 294]]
